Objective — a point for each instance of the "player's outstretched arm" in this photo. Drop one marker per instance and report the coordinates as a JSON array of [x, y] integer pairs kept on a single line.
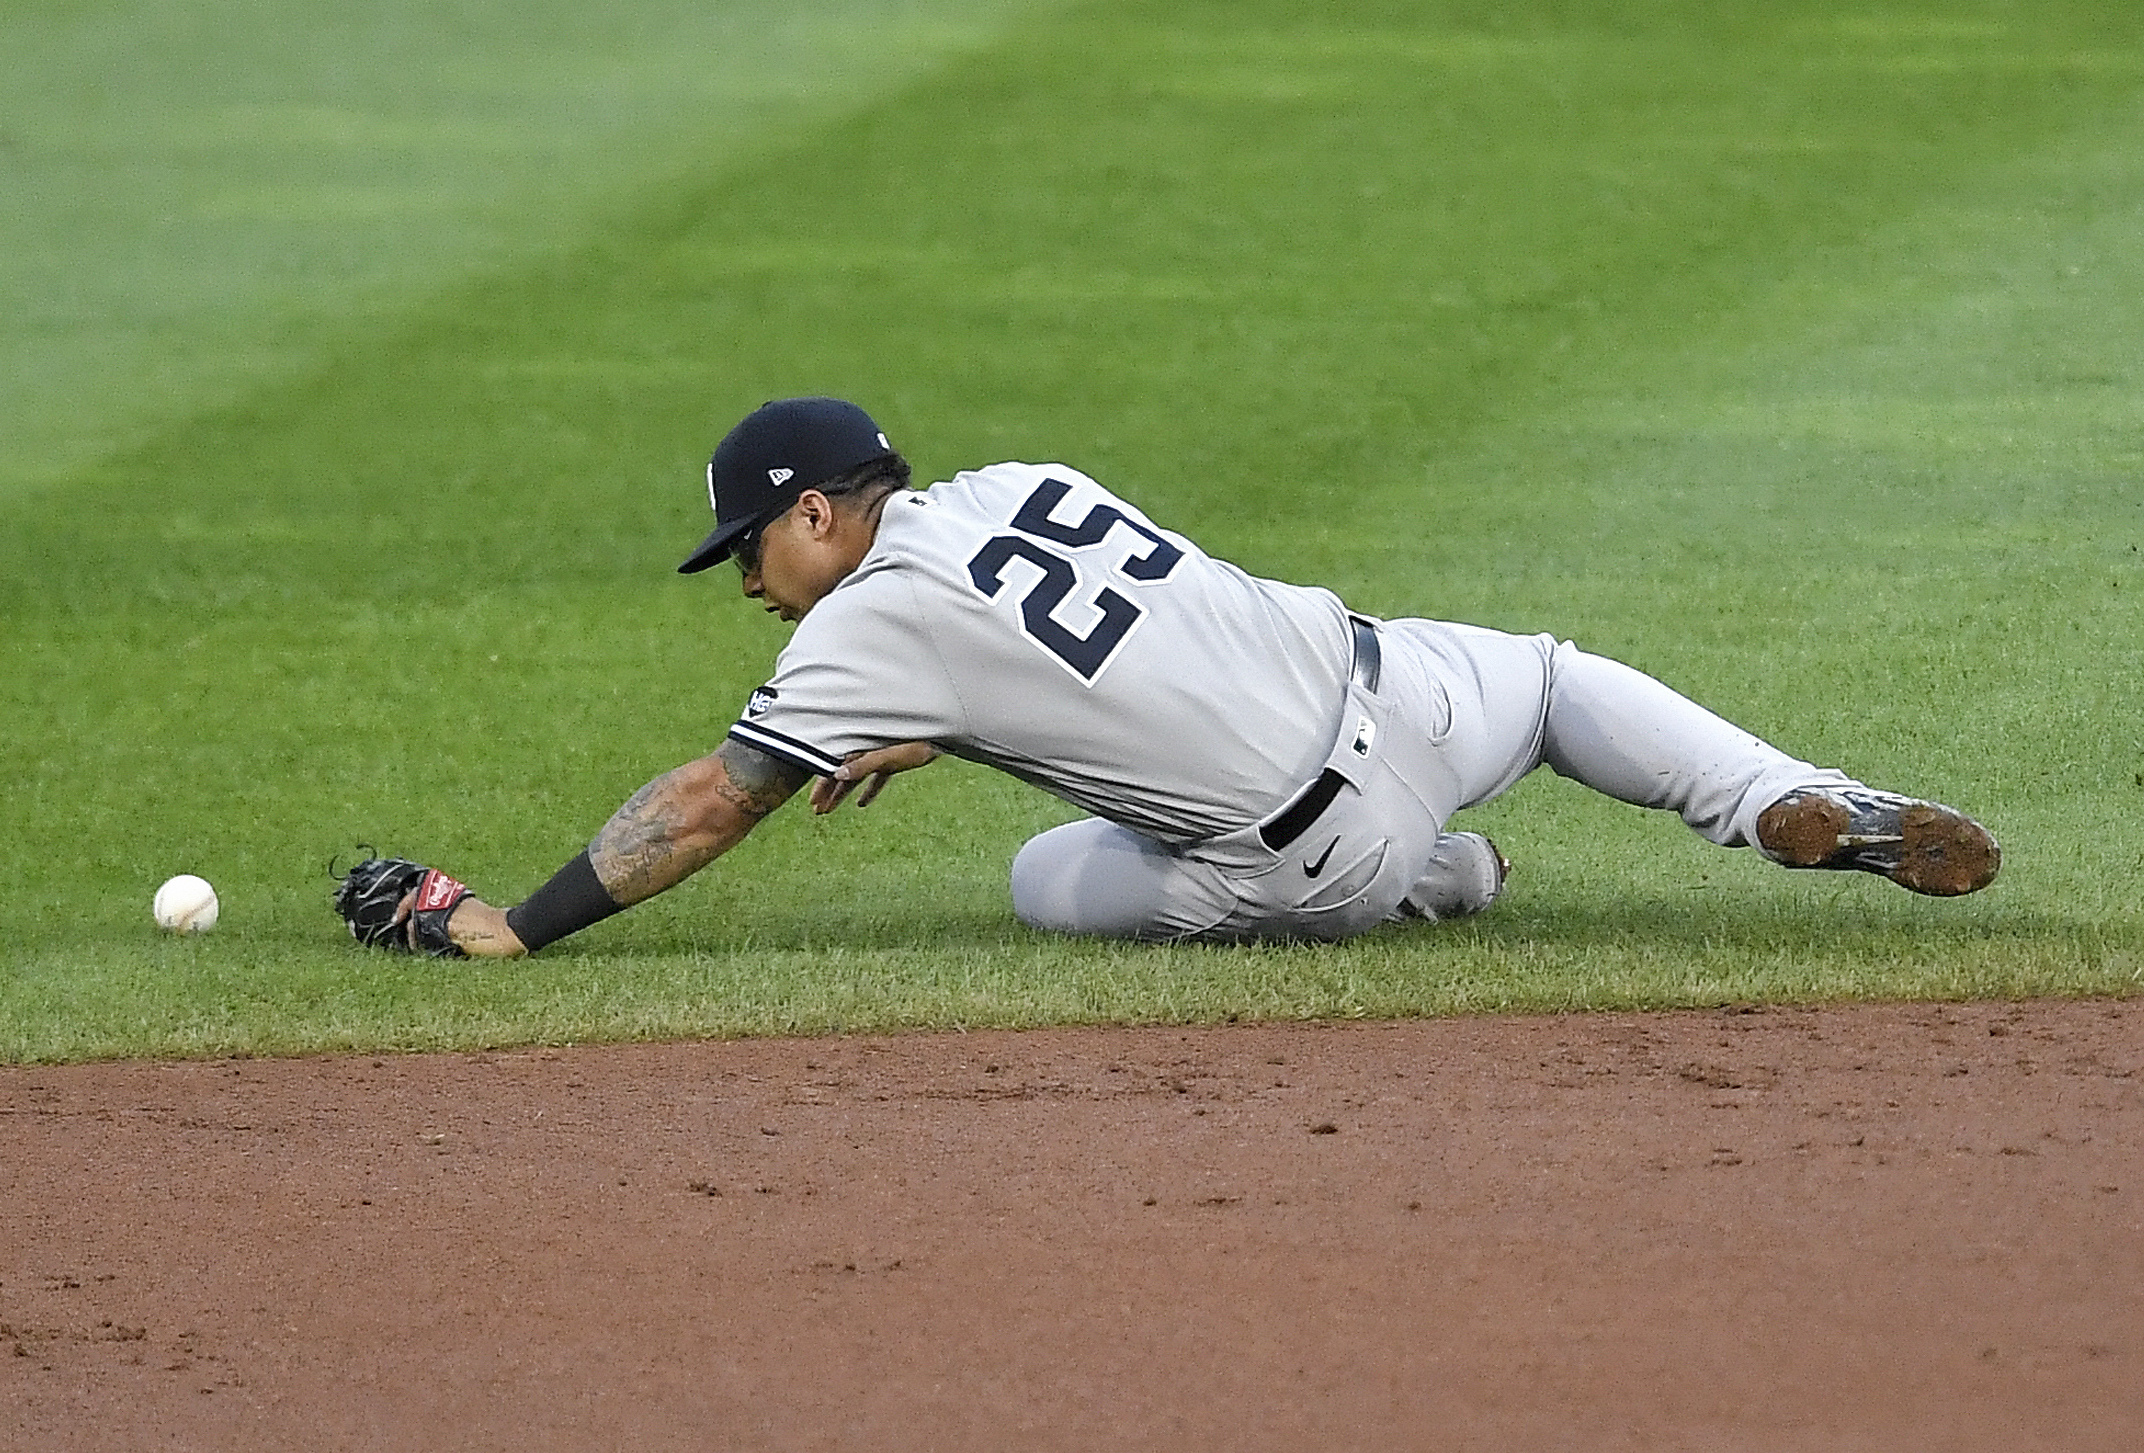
[[688, 817], [665, 832]]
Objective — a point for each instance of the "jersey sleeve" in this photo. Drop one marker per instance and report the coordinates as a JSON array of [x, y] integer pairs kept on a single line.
[[859, 673]]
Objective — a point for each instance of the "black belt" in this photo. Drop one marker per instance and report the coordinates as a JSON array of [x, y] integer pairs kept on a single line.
[[1295, 819]]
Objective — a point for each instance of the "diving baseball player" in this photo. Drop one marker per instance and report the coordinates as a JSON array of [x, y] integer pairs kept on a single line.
[[1257, 760]]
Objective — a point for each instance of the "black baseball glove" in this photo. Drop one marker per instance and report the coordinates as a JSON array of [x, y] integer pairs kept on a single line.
[[371, 899]]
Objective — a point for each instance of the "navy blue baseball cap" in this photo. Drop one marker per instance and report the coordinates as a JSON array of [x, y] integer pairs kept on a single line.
[[780, 450]]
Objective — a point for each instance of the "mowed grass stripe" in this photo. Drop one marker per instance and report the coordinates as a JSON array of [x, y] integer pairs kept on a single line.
[[1337, 294], [202, 195]]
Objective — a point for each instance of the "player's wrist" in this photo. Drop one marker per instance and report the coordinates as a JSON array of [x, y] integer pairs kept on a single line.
[[482, 932], [574, 899]]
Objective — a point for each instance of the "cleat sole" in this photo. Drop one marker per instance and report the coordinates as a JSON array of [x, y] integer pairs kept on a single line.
[[1935, 851], [1944, 853]]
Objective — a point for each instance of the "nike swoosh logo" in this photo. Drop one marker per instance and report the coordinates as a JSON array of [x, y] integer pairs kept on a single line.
[[1311, 870]]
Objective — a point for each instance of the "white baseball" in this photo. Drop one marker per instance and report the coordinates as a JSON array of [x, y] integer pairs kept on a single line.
[[186, 904]]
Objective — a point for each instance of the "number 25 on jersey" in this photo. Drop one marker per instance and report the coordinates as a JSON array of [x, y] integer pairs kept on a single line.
[[1064, 576]]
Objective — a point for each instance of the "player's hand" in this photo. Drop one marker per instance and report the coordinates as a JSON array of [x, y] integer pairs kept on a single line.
[[870, 770], [475, 927]]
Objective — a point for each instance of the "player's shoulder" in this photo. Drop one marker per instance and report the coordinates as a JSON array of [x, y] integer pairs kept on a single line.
[[863, 616], [936, 530], [998, 492], [1011, 479]]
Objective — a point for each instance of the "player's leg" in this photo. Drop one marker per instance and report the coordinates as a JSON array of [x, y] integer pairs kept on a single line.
[[1511, 703], [1468, 706], [1095, 878], [1342, 877], [1497, 705], [1621, 732]]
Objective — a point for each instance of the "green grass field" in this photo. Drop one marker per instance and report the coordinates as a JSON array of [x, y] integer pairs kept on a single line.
[[357, 373]]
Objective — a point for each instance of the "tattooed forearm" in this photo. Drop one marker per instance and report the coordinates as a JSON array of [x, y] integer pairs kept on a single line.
[[757, 782], [648, 844], [685, 819]]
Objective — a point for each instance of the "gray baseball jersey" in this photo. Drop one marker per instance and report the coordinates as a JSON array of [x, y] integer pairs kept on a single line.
[[1024, 617]]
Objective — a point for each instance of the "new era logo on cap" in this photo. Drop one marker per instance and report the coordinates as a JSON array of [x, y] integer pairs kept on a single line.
[[780, 477]]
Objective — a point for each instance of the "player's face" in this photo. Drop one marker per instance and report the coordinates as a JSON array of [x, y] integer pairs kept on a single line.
[[798, 558]]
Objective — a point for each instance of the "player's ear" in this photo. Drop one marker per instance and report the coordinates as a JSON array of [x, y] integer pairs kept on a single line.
[[816, 512]]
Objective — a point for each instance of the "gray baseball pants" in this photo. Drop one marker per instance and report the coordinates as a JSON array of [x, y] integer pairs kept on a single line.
[[1460, 714]]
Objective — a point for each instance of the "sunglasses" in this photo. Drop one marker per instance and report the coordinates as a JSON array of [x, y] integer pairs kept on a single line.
[[746, 551]]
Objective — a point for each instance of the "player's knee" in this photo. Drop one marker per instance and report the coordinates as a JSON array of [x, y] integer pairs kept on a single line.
[[1045, 883], [1032, 899], [1092, 878]]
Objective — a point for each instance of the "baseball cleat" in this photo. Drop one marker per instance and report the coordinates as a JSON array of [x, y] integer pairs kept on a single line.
[[1924, 847], [1464, 878]]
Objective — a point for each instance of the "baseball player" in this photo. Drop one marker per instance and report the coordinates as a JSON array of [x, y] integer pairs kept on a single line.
[[1258, 760]]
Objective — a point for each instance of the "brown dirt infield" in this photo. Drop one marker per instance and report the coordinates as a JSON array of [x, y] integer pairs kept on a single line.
[[1888, 1227]]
